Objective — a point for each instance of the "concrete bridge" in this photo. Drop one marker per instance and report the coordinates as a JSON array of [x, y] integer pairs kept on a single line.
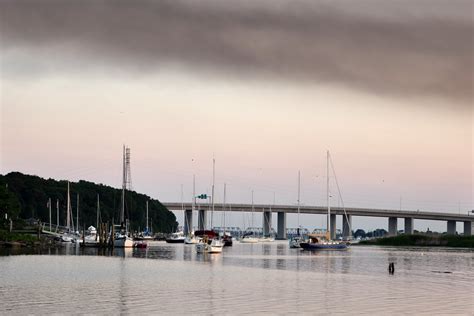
[[282, 210]]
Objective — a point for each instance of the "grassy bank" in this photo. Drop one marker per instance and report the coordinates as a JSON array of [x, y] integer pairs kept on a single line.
[[8, 239], [423, 240]]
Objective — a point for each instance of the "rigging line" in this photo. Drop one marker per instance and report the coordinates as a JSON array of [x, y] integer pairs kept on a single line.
[[340, 195]]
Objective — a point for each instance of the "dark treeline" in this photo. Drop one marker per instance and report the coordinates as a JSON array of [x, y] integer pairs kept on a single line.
[[25, 196]]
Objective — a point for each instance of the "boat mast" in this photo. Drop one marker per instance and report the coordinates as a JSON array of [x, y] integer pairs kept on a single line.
[[49, 207], [299, 184], [147, 216], [252, 214], [212, 190], [193, 207], [77, 212], [68, 209], [97, 218], [98, 211], [223, 207], [122, 212], [57, 214], [328, 232]]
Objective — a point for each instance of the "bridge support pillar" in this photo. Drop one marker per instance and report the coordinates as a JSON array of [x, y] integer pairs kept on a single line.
[[346, 226], [281, 233], [451, 227], [202, 219], [267, 223], [409, 225], [392, 226], [468, 228], [332, 226], [188, 221]]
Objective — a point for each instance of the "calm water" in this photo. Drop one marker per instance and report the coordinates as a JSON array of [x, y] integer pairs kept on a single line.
[[244, 279]]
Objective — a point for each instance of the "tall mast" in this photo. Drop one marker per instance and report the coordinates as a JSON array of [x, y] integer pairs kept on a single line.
[[98, 211], [193, 207], [194, 193], [68, 209], [224, 204], [147, 216], [212, 190], [49, 207], [299, 184], [252, 210], [122, 211], [57, 214], [77, 212], [327, 193]]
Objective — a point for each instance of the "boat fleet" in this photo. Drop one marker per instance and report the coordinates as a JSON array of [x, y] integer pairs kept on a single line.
[[205, 241]]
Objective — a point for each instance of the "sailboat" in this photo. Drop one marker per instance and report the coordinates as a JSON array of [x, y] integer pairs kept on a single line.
[[68, 236], [121, 237], [320, 241], [226, 237], [210, 242], [295, 241], [191, 239], [91, 238], [249, 238], [146, 234]]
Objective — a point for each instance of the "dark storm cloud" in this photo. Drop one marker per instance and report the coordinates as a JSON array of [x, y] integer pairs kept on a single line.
[[397, 47]]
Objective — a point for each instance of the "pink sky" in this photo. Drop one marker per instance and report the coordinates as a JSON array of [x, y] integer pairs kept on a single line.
[[265, 99]]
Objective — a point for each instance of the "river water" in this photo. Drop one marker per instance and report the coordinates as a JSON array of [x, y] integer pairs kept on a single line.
[[245, 279]]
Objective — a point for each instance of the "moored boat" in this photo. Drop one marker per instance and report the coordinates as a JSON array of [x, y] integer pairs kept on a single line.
[[266, 239], [176, 238], [209, 242], [227, 239], [249, 239], [295, 242], [209, 245], [192, 240], [323, 241], [318, 242]]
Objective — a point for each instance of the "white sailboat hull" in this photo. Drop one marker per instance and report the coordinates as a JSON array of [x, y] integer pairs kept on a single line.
[[216, 246], [249, 240], [192, 240], [126, 242]]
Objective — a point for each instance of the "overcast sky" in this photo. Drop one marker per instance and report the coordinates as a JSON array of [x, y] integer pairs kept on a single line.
[[263, 86]]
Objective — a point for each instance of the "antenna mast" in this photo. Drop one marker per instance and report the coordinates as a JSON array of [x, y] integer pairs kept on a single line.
[[126, 180]]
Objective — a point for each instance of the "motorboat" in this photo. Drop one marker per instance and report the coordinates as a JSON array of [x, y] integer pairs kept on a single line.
[[227, 239], [176, 238], [295, 242], [90, 239], [209, 245]]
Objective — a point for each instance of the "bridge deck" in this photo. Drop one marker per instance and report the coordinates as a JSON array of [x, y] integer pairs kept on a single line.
[[441, 216]]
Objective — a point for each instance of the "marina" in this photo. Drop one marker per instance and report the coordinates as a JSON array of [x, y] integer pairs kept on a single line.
[[288, 158]]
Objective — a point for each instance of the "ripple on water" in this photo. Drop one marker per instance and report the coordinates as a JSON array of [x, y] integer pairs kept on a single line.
[[245, 279]]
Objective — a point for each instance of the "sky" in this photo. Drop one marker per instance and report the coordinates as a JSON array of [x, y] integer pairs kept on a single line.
[[265, 87]]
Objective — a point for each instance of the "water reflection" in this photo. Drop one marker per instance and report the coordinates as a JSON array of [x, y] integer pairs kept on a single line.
[[244, 279]]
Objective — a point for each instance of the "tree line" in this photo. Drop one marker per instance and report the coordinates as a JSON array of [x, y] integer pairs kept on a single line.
[[26, 196]]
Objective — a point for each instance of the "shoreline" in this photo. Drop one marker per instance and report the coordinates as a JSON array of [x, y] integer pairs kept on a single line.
[[423, 241]]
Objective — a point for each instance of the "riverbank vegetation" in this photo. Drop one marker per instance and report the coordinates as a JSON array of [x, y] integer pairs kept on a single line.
[[25, 197], [423, 240]]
